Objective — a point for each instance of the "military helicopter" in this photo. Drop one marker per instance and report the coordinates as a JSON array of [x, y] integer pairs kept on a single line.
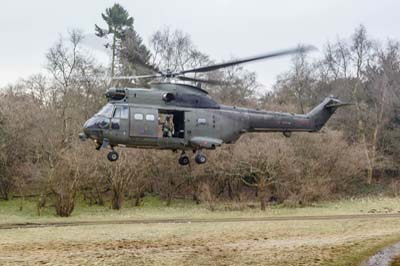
[[137, 117]]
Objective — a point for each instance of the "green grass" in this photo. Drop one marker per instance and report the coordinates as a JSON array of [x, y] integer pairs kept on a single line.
[[358, 254], [153, 208]]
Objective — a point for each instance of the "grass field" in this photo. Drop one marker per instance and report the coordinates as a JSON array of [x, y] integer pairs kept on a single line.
[[324, 242], [153, 208]]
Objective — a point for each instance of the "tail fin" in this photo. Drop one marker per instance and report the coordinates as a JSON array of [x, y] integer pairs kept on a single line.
[[321, 114]]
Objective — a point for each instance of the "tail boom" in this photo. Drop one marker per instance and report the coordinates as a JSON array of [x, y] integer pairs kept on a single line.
[[286, 122]]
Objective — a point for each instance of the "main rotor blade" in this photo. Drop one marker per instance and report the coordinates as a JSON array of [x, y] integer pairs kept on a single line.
[[137, 77], [249, 59], [209, 81]]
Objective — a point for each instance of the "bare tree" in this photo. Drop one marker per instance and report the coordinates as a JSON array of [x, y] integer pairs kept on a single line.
[[383, 84], [238, 86], [261, 164], [175, 51], [121, 174], [64, 183], [298, 84], [361, 47]]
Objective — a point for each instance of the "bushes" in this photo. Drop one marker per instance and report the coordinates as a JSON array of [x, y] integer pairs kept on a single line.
[[302, 169], [296, 171], [63, 181]]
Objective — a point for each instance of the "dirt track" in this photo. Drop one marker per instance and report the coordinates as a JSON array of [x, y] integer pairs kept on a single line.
[[216, 220]]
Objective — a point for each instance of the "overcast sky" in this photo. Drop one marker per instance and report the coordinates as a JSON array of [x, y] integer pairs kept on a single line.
[[221, 28]]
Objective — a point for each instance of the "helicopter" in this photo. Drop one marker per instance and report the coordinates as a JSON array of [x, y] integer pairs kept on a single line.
[[137, 117]]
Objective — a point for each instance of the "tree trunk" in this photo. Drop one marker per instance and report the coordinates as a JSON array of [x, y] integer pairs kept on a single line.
[[262, 201], [370, 168], [262, 194], [196, 198], [379, 118], [5, 187], [99, 200], [117, 199], [230, 190], [137, 199], [113, 56], [169, 199], [361, 128]]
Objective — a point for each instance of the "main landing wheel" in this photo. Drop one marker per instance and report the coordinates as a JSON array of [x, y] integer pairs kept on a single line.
[[112, 156], [184, 159], [200, 158]]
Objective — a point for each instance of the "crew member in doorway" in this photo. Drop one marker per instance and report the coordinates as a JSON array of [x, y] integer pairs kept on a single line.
[[168, 127]]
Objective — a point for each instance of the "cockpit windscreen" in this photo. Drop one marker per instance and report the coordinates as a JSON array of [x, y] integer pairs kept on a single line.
[[106, 111]]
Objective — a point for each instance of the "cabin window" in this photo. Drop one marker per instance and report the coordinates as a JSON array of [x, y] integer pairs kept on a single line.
[[150, 117], [138, 116], [201, 121], [125, 112]]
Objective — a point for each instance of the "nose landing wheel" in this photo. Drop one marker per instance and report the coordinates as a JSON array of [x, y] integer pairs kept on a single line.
[[112, 156]]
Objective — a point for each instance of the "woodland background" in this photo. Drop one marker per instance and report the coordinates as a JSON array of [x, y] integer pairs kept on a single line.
[[356, 154]]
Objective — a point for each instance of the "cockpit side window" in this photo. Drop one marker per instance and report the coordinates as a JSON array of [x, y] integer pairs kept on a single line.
[[117, 112], [121, 112], [125, 112], [106, 111]]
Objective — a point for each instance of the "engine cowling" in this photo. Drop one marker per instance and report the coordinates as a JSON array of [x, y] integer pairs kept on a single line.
[[115, 94]]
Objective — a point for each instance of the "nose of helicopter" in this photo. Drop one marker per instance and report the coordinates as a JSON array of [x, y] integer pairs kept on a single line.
[[88, 125], [86, 130], [93, 128]]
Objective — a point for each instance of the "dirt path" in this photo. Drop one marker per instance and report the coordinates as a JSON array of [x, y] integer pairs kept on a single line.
[[214, 220]]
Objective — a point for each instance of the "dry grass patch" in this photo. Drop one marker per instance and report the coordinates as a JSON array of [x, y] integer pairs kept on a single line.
[[237, 243]]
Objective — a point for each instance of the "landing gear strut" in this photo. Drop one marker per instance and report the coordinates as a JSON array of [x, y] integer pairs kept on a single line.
[[98, 145], [200, 158], [112, 156], [184, 159]]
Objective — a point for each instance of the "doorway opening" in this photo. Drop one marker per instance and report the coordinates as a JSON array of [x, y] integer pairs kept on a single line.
[[171, 123]]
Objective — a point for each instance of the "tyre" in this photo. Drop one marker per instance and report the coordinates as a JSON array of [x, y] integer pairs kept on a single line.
[[184, 160], [112, 156], [200, 158]]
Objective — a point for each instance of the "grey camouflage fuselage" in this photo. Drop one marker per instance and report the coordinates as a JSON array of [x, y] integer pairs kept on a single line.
[[203, 123]]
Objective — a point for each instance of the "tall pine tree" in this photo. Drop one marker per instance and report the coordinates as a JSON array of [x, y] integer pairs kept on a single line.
[[126, 45]]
